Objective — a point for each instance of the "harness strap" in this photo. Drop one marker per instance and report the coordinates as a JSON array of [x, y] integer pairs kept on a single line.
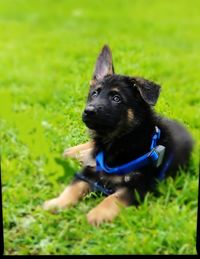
[[165, 167], [96, 186], [154, 156], [155, 137], [140, 162]]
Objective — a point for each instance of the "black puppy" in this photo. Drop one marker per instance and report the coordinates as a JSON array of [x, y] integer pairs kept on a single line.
[[132, 147]]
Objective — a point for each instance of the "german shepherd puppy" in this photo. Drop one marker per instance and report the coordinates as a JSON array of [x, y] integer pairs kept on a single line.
[[121, 123]]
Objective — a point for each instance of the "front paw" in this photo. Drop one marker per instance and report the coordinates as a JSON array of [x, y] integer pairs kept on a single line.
[[96, 217], [53, 205]]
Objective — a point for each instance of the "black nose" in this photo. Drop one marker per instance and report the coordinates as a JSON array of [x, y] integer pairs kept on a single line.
[[90, 110]]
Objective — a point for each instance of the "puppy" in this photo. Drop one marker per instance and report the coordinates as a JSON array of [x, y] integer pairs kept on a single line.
[[131, 147]]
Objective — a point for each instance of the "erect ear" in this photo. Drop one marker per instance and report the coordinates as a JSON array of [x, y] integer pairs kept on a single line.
[[148, 90], [104, 65]]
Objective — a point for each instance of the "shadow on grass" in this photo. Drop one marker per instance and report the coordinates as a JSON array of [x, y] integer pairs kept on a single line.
[[69, 166]]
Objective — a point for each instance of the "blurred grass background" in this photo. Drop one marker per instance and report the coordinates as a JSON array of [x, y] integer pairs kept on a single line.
[[47, 53]]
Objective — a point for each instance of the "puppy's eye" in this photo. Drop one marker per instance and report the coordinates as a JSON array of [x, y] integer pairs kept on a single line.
[[95, 93], [116, 98]]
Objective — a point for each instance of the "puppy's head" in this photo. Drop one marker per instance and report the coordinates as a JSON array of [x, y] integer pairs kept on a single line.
[[116, 103]]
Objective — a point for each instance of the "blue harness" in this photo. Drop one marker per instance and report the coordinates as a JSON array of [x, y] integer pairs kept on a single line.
[[153, 157]]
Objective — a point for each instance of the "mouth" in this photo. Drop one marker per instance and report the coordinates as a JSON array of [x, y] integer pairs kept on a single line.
[[91, 124], [96, 124]]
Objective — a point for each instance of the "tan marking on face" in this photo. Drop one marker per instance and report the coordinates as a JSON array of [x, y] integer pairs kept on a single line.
[[130, 115], [107, 210], [92, 82], [115, 89], [70, 196]]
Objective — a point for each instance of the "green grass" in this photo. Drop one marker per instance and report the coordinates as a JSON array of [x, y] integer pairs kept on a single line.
[[47, 54]]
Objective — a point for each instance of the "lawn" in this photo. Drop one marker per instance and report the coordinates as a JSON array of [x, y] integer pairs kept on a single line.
[[47, 54]]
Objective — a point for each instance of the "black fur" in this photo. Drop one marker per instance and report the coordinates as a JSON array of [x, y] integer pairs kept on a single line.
[[121, 120]]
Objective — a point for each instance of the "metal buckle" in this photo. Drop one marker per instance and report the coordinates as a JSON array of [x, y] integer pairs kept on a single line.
[[157, 155]]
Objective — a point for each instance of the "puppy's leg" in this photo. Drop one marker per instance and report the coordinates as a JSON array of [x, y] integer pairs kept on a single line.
[[70, 196], [108, 209], [79, 152]]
